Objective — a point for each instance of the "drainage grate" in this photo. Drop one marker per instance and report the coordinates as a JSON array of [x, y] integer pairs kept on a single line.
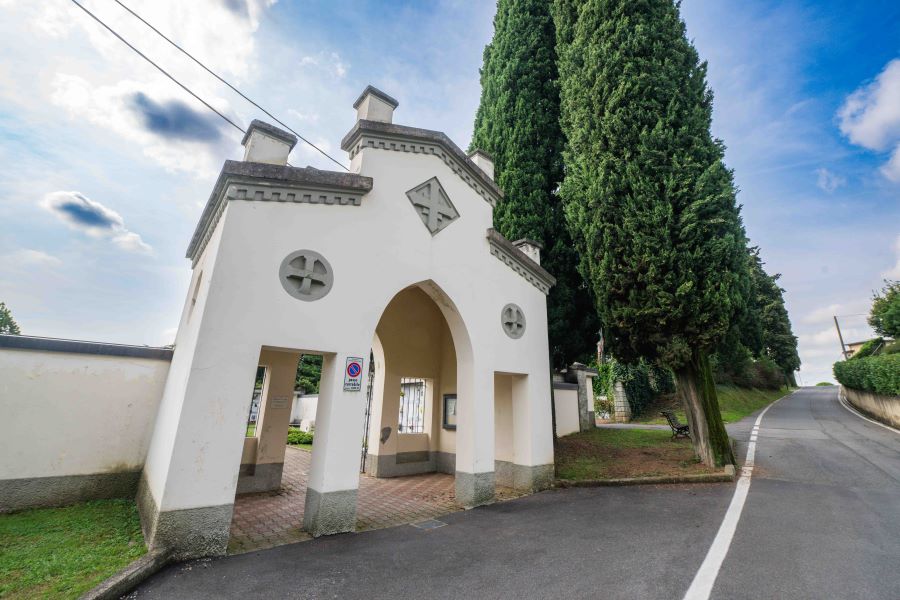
[[429, 524]]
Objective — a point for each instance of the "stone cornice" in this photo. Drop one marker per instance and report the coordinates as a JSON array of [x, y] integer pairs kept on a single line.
[[519, 262], [400, 138], [274, 183]]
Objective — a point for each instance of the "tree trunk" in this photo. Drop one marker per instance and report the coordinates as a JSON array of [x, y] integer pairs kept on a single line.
[[701, 405]]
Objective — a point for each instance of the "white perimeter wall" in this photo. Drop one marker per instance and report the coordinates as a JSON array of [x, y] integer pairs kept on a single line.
[[566, 411], [76, 414]]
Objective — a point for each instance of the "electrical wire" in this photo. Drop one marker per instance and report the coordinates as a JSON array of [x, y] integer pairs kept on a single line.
[[232, 87], [159, 68]]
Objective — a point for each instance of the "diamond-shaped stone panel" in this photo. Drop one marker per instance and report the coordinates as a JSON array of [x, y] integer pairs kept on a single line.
[[433, 205]]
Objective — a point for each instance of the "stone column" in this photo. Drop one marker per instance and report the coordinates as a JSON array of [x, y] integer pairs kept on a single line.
[[584, 378], [620, 402], [334, 474], [474, 435], [264, 472]]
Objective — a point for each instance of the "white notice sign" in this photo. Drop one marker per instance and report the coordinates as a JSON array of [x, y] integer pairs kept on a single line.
[[353, 374]]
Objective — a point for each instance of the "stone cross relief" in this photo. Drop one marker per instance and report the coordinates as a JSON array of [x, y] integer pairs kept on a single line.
[[306, 275], [433, 205], [513, 320]]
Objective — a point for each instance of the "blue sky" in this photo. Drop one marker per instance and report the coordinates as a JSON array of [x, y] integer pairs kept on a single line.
[[107, 164]]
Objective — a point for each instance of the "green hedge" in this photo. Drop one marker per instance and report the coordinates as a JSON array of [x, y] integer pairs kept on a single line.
[[879, 374], [298, 436]]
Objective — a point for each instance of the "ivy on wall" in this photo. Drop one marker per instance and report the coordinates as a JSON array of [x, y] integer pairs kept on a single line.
[[643, 383]]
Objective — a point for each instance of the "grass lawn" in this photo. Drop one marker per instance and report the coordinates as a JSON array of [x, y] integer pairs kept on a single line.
[[734, 402], [63, 552], [615, 453]]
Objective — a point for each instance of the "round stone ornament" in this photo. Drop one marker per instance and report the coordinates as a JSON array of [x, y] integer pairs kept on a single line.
[[512, 318], [306, 275]]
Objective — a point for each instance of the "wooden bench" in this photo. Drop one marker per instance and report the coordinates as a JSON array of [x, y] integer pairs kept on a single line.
[[678, 429]]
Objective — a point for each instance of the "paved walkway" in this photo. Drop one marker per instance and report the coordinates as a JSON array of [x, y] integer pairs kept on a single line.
[[822, 520], [275, 518]]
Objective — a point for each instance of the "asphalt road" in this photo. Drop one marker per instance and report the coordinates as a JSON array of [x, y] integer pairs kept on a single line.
[[822, 520]]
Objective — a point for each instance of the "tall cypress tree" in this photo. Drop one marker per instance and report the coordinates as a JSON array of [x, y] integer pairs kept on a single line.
[[517, 123], [778, 340], [650, 203]]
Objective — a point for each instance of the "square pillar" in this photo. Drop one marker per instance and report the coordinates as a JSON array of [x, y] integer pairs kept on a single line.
[[263, 473], [186, 492], [474, 436], [334, 475], [533, 468], [583, 377]]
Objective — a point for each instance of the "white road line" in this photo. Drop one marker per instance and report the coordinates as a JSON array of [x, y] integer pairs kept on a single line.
[[702, 585], [847, 405]]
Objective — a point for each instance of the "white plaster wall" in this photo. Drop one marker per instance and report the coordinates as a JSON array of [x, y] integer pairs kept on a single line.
[[566, 411], [375, 250], [884, 408], [503, 418], [304, 409], [76, 414]]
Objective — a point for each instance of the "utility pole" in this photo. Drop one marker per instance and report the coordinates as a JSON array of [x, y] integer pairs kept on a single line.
[[840, 337]]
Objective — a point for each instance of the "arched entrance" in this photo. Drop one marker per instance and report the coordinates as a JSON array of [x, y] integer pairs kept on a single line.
[[415, 396]]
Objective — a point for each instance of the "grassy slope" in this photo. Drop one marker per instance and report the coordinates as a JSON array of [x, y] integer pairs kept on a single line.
[[614, 453], [734, 402], [63, 552]]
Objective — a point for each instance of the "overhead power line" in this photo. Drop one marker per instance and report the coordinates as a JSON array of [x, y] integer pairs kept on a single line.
[[159, 68], [221, 79]]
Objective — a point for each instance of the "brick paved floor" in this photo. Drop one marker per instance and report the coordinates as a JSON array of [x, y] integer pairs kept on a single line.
[[275, 518]]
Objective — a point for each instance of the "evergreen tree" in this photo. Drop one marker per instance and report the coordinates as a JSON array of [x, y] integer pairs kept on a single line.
[[8, 325], [778, 340], [517, 123], [761, 336], [309, 372], [884, 317], [649, 201]]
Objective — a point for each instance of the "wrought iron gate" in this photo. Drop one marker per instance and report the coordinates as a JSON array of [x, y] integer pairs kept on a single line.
[[369, 388]]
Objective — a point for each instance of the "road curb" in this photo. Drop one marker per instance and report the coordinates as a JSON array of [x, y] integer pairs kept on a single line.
[[726, 475], [128, 578]]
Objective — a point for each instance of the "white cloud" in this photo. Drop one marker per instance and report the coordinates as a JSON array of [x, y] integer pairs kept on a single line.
[[826, 313], [894, 272], [94, 219], [828, 181], [330, 62], [870, 117], [26, 257], [891, 169], [179, 135]]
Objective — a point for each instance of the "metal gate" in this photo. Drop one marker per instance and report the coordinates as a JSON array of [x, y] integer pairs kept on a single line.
[[369, 388]]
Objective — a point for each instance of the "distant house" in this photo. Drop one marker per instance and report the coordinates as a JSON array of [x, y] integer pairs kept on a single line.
[[854, 347]]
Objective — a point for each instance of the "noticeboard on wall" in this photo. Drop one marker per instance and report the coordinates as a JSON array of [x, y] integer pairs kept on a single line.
[[449, 420]]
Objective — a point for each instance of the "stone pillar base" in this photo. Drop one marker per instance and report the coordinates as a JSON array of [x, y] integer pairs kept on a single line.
[[263, 477], [327, 513], [186, 533], [522, 477], [474, 489]]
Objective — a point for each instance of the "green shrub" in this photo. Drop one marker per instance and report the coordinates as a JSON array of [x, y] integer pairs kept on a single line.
[[298, 436], [892, 347], [824, 383], [878, 374], [870, 348]]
